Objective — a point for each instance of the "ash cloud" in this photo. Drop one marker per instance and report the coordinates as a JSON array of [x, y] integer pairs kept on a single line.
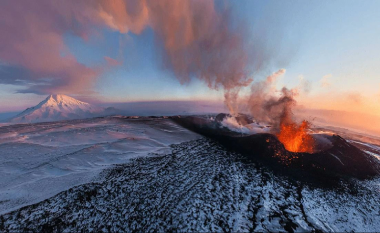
[[31, 39], [263, 102], [268, 104], [196, 39]]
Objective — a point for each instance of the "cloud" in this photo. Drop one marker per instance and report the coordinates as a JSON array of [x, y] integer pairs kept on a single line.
[[14, 75], [304, 85], [195, 38], [32, 43], [273, 77], [112, 62], [355, 98], [325, 81]]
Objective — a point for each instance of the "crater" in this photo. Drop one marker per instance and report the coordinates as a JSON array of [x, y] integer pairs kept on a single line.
[[333, 157]]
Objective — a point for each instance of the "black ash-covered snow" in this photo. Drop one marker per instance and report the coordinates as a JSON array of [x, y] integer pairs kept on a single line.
[[200, 187]]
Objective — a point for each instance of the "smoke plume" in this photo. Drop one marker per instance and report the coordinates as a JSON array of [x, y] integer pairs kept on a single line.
[[276, 108], [196, 39], [263, 102]]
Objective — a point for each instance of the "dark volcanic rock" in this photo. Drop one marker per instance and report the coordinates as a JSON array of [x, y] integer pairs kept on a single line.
[[340, 160], [199, 187]]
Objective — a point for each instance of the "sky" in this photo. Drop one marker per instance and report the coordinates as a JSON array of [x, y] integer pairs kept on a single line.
[[98, 53]]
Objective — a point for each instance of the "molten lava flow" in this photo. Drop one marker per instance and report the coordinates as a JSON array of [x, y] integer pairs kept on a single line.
[[295, 137]]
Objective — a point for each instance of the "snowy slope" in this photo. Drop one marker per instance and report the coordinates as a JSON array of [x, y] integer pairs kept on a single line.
[[40, 160], [55, 108]]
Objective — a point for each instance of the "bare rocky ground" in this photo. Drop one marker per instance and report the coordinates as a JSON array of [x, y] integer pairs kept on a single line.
[[202, 187]]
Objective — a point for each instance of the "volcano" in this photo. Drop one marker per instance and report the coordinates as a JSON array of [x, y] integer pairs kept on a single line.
[[59, 107], [332, 158], [149, 174]]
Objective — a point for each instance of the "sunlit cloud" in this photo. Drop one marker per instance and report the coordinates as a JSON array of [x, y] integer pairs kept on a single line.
[[326, 80]]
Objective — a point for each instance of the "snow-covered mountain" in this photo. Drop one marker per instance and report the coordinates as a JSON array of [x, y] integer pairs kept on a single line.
[[58, 107]]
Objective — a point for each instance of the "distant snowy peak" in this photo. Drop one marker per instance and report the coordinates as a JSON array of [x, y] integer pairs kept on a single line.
[[58, 107], [63, 100]]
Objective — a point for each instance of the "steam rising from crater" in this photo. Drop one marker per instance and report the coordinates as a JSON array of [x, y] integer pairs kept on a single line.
[[197, 39]]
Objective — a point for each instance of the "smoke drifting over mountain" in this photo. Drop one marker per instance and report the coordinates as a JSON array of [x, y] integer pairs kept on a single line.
[[197, 39]]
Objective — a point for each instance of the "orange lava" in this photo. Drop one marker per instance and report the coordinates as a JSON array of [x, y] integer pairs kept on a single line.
[[295, 137]]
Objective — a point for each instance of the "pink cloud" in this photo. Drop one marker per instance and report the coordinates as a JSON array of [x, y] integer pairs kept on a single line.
[[112, 62], [196, 40], [32, 38]]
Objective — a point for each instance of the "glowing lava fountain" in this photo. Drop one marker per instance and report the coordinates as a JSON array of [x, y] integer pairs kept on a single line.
[[296, 137]]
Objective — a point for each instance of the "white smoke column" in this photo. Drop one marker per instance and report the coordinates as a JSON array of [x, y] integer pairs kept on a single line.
[[261, 94], [196, 39]]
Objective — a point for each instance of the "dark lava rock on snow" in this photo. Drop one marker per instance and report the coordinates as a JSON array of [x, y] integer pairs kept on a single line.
[[339, 160], [199, 187]]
